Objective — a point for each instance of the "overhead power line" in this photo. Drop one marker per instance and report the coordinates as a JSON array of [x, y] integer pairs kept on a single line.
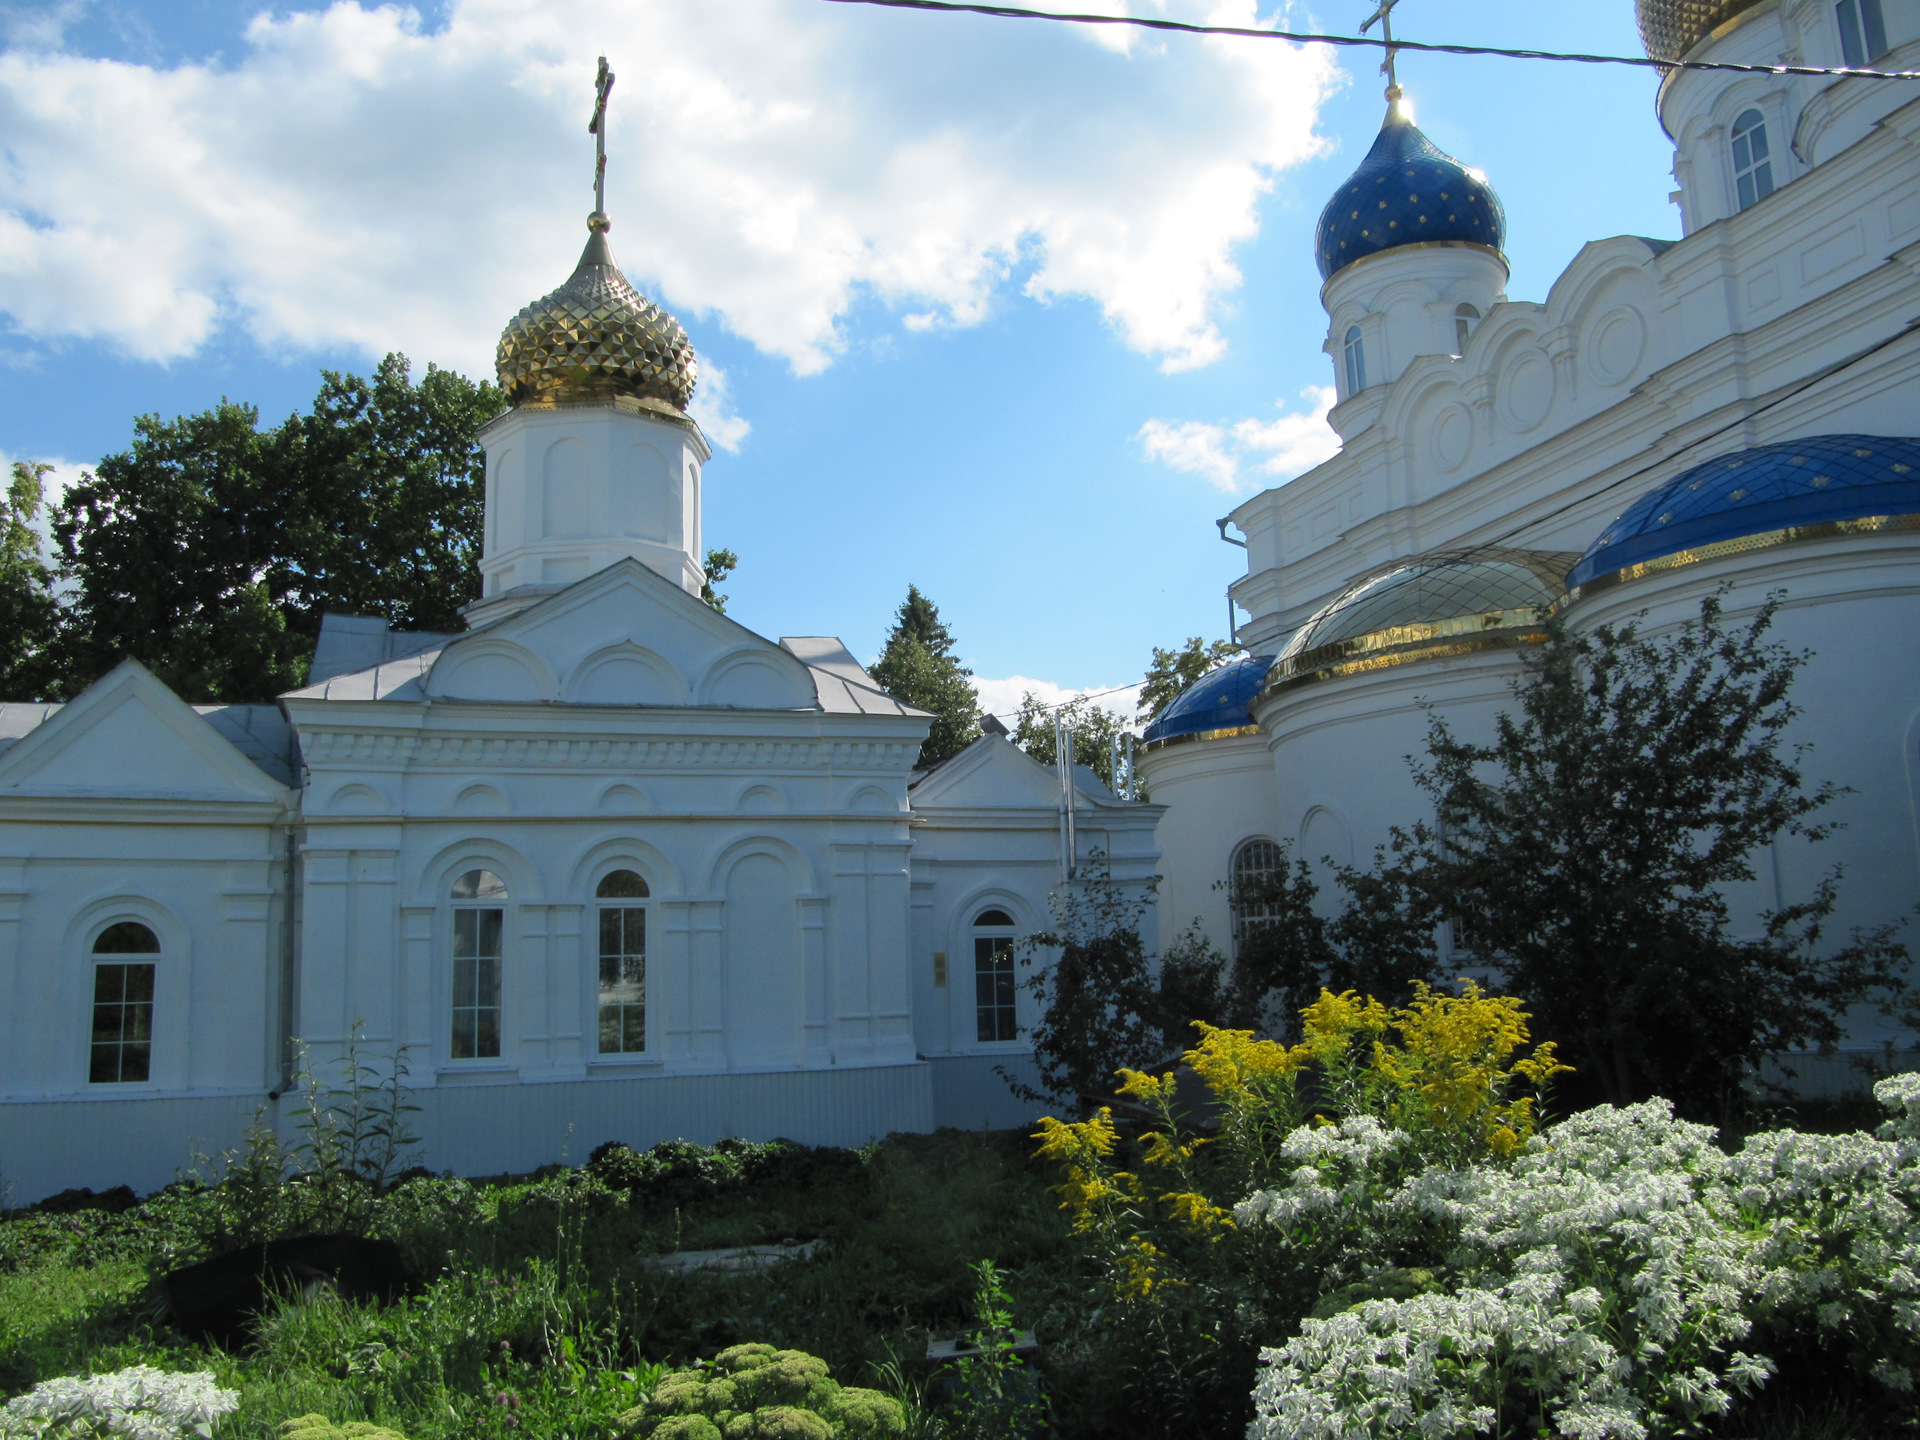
[[1364, 42]]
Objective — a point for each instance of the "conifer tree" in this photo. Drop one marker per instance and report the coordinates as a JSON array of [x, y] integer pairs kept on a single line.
[[28, 614], [919, 668]]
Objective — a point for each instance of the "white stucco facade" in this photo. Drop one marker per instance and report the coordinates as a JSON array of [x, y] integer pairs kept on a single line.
[[1788, 316]]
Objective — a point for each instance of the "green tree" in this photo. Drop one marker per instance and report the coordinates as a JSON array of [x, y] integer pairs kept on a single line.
[[919, 668], [720, 564], [1591, 845], [1173, 671], [210, 549], [29, 616], [1094, 729]]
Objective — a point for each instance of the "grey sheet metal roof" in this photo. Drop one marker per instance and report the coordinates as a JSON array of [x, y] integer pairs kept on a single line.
[[350, 644]]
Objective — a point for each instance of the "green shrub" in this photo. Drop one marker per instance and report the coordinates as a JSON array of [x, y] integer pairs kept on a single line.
[[755, 1392], [318, 1427]]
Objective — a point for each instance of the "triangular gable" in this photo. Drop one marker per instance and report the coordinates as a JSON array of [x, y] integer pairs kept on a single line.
[[622, 636], [991, 773], [130, 737]]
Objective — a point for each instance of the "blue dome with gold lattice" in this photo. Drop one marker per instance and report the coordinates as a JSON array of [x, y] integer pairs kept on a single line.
[[1408, 191], [1814, 480]]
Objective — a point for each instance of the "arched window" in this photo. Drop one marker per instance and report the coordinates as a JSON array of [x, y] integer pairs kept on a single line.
[[1863, 31], [122, 1048], [1752, 163], [993, 981], [1356, 361], [479, 922], [1256, 864], [623, 963], [1465, 317]]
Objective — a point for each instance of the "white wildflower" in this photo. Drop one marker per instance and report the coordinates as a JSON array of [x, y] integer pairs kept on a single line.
[[141, 1403]]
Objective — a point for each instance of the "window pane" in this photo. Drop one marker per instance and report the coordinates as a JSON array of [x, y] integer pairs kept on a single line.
[[1759, 138], [1875, 25], [1851, 50], [1747, 197], [993, 917], [1763, 180], [463, 1035], [487, 983], [622, 885], [623, 980], [466, 933], [479, 885], [486, 1045], [127, 937], [993, 988], [610, 1032], [121, 1048], [490, 927], [1742, 157]]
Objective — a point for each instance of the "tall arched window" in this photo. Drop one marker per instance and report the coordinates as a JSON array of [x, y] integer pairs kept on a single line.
[[1752, 163], [623, 963], [1256, 864], [1356, 361], [993, 980], [479, 923], [1465, 317], [1863, 31], [122, 1048]]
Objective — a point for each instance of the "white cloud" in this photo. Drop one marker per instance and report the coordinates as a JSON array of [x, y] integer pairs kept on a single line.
[[712, 409], [1283, 447], [1003, 697], [351, 179]]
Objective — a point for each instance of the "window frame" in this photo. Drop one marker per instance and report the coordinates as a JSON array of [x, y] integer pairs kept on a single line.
[[458, 905], [600, 905], [1758, 169], [99, 961], [1238, 920], [1354, 352], [1862, 26], [1466, 318], [1003, 939]]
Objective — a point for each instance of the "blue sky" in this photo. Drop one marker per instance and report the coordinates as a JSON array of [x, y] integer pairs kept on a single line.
[[957, 274]]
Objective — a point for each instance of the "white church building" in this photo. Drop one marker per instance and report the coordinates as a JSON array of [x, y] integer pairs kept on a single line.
[[611, 866], [1737, 408], [607, 864]]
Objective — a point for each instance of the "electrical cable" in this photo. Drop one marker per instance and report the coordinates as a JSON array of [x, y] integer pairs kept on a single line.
[[1015, 12]]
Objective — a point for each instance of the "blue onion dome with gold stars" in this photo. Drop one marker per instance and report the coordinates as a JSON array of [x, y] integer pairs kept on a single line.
[[1214, 706], [1805, 489], [1443, 602], [1670, 28], [1408, 191], [596, 338]]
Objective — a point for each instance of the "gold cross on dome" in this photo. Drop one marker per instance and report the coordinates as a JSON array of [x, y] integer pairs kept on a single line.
[[597, 127], [1383, 17]]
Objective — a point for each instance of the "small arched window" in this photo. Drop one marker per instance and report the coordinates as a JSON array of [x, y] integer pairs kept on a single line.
[[479, 924], [1752, 162], [1863, 31], [623, 963], [1356, 351], [1465, 317], [121, 1052], [1257, 864], [993, 979]]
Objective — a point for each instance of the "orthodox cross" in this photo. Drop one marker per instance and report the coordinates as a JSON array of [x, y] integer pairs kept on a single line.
[[1384, 18], [597, 127]]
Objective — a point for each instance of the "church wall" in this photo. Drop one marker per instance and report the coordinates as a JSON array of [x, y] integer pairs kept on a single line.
[[1854, 602], [211, 895], [1219, 794]]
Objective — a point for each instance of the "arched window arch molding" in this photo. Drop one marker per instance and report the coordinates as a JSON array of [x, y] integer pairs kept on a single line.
[[453, 861], [662, 670], [1728, 107], [989, 897], [460, 654], [624, 852], [171, 991], [799, 868]]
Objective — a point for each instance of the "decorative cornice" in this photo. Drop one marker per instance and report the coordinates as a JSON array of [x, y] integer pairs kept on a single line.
[[327, 747]]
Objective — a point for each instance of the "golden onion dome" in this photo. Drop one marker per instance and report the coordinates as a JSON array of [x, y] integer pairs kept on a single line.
[[595, 338], [1670, 28]]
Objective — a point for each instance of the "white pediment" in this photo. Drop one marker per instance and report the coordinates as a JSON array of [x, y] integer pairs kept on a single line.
[[624, 636], [991, 773], [130, 737]]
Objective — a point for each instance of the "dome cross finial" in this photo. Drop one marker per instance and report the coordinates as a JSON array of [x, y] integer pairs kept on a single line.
[[597, 127], [1383, 17]]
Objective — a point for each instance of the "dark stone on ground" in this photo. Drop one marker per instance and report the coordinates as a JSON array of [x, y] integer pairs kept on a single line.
[[221, 1300]]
